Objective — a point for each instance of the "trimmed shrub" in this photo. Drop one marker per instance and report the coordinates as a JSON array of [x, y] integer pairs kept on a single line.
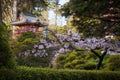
[[92, 55], [8, 74], [32, 61], [28, 34], [60, 58], [114, 63], [68, 65], [76, 62], [90, 66], [24, 73]]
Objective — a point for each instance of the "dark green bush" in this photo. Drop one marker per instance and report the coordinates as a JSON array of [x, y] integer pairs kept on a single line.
[[32, 61], [92, 55], [87, 66], [80, 60], [90, 66], [77, 60], [60, 58], [6, 56], [114, 62], [25, 42], [68, 65], [24, 73], [8, 74], [26, 35]]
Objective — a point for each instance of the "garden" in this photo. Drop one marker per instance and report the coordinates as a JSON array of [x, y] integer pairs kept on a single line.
[[86, 48]]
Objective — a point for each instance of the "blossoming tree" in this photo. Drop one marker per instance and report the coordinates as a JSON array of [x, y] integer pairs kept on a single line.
[[61, 43]]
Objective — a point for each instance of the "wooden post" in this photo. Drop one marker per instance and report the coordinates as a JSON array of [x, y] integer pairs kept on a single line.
[[14, 16], [0, 11], [15, 10]]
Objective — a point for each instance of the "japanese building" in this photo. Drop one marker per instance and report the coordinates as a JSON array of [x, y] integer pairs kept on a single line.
[[28, 22]]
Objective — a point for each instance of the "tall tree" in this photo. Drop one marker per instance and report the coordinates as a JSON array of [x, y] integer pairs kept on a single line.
[[7, 11], [0, 11], [54, 4], [15, 10], [56, 12], [91, 15], [7, 59], [26, 6]]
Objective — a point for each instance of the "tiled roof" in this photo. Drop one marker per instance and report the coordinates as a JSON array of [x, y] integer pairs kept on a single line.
[[28, 19]]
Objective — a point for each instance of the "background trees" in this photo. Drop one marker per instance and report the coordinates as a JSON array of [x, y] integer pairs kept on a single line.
[[27, 6], [91, 16], [7, 59], [0, 11]]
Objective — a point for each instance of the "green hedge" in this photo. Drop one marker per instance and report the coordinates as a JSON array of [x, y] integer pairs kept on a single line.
[[8, 74], [25, 73]]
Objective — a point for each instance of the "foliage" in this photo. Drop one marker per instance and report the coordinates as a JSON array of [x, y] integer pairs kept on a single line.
[[25, 73], [87, 16], [71, 60], [114, 63], [70, 43], [6, 55], [33, 61], [66, 43], [87, 66], [26, 43], [8, 74], [26, 35], [79, 60], [29, 5]]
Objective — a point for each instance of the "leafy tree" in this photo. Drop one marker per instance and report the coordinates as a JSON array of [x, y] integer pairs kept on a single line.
[[6, 11], [92, 15], [29, 5], [26, 6]]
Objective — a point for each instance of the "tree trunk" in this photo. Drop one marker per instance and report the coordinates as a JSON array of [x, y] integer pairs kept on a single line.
[[56, 14], [101, 57], [15, 10], [99, 63], [0, 11], [101, 60]]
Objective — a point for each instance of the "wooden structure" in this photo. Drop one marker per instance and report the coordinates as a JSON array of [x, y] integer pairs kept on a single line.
[[27, 22]]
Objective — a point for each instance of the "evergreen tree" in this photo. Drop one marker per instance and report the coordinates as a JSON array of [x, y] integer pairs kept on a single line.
[[6, 57], [92, 16]]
